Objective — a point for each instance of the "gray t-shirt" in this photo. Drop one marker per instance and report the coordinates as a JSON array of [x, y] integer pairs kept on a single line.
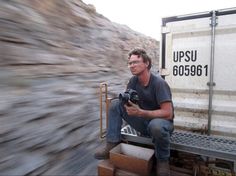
[[151, 96]]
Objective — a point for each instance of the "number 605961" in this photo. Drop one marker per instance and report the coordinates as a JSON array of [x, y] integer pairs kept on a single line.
[[190, 70]]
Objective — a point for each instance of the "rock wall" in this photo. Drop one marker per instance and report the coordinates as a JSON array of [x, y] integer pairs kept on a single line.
[[53, 56]]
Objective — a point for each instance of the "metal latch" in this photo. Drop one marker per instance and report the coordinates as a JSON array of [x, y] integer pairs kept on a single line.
[[211, 84]]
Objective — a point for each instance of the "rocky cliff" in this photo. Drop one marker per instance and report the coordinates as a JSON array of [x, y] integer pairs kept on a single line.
[[54, 54]]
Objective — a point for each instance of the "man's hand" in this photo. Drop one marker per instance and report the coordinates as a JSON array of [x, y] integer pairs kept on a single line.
[[165, 112], [132, 109]]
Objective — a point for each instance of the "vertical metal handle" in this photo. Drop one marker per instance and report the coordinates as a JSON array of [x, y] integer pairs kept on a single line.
[[211, 81], [103, 94]]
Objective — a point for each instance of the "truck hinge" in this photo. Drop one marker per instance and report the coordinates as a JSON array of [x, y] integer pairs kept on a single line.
[[164, 72], [165, 30]]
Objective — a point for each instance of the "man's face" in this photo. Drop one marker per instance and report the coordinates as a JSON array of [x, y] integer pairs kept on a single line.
[[136, 65]]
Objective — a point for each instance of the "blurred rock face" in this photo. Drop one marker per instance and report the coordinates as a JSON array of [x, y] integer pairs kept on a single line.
[[53, 56]]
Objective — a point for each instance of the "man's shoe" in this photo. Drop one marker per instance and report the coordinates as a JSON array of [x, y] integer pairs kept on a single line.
[[103, 153], [163, 168]]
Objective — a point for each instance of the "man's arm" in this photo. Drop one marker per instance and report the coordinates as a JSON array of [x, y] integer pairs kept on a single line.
[[165, 112]]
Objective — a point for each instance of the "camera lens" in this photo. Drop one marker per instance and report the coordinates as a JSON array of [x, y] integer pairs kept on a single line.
[[129, 94]]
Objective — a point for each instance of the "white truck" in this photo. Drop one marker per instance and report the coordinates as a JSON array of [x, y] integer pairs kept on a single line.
[[198, 60]]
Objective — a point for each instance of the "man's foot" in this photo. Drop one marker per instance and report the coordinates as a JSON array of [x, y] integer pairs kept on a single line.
[[163, 168], [103, 153]]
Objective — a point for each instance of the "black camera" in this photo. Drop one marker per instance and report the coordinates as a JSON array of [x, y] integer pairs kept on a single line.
[[129, 94]]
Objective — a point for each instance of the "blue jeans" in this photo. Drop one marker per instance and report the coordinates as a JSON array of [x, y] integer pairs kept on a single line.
[[158, 129]]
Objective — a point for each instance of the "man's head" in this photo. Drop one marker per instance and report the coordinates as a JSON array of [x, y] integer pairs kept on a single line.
[[139, 62], [141, 53]]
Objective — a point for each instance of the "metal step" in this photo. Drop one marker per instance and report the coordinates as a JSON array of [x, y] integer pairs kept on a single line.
[[211, 146]]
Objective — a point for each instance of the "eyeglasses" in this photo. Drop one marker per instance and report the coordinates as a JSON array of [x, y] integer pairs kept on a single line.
[[133, 63]]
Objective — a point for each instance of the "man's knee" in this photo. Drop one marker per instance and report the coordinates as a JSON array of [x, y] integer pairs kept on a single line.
[[158, 128]]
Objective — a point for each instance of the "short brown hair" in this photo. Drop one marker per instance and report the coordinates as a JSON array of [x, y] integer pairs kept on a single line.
[[141, 53]]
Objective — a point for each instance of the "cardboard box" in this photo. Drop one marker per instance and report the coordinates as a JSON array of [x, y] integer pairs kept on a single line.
[[119, 172], [105, 168], [132, 158]]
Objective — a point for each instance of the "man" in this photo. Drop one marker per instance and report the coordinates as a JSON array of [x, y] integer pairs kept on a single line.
[[152, 116]]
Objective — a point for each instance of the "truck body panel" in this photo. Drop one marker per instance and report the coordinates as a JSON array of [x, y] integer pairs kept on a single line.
[[198, 56]]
